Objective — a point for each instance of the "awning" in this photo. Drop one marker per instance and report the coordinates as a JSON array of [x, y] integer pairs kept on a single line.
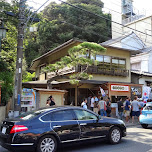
[[50, 90], [81, 81], [35, 82]]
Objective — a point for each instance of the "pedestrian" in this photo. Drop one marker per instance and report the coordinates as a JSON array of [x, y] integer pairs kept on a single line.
[[84, 103], [108, 107], [135, 109], [96, 109], [52, 103], [48, 102], [89, 101], [127, 109], [120, 108], [141, 103], [102, 107], [92, 103]]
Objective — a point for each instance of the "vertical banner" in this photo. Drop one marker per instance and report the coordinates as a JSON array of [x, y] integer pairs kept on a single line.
[[102, 92], [146, 92]]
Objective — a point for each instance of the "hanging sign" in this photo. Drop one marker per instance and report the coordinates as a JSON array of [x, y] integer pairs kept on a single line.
[[136, 91], [121, 88]]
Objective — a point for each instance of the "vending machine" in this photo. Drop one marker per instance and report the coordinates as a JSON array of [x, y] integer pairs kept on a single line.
[[28, 100]]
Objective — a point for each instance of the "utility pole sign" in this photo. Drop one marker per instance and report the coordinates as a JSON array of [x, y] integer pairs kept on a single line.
[[18, 75]]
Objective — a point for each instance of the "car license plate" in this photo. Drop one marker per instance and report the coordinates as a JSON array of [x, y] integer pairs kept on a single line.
[[4, 130], [149, 115]]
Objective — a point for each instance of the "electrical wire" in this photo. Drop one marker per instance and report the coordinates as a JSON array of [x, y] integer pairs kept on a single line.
[[82, 9], [93, 31], [103, 36]]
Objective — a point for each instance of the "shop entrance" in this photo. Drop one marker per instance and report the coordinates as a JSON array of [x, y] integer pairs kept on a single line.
[[114, 99]]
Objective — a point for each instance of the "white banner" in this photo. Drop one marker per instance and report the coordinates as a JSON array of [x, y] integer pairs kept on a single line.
[[146, 92], [122, 88]]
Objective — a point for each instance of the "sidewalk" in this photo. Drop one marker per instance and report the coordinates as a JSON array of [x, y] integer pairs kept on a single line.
[[129, 124]]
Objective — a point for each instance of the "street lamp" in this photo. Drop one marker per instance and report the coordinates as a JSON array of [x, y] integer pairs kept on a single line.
[[3, 31]]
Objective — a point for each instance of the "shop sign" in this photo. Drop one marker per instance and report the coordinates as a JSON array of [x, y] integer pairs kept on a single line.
[[121, 88], [136, 91]]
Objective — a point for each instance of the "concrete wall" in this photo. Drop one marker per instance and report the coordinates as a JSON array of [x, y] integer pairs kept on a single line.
[[143, 80], [2, 113], [144, 25], [144, 60], [117, 29]]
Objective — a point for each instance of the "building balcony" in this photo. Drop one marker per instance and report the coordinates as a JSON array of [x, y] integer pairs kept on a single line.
[[105, 71], [91, 70]]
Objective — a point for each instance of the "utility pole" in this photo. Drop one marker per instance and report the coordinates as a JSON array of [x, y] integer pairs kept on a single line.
[[18, 75]]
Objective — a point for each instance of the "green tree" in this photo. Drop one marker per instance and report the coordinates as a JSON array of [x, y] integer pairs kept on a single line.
[[28, 76], [61, 22], [9, 48], [6, 77], [78, 55]]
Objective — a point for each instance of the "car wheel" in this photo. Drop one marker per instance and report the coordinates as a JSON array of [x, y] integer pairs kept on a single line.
[[115, 135], [144, 125], [47, 144]]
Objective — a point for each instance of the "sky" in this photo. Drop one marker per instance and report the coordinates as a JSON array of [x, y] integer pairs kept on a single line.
[[143, 6]]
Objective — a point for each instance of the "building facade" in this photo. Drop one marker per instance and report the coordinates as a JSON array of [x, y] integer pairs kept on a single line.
[[127, 19], [113, 69]]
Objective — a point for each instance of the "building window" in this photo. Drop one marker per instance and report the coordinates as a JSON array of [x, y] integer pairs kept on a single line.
[[109, 62], [99, 58], [118, 63]]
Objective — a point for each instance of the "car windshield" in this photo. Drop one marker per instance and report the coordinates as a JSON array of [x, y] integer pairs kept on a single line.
[[32, 114]]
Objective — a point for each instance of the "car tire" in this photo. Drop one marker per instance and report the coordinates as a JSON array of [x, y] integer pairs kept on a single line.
[[144, 125], [115, 135], [47, 142]]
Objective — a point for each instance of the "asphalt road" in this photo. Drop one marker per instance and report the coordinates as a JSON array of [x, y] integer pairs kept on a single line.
[[137, 140]]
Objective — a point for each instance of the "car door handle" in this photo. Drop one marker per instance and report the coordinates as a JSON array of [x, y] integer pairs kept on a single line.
[[83, 124], [56, 126]]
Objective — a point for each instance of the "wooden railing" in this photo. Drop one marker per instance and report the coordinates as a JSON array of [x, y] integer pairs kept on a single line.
[[92, 70], [105, 71]]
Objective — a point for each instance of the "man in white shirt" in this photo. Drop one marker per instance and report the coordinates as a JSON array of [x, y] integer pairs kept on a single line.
[[92, 102], [84, 104]]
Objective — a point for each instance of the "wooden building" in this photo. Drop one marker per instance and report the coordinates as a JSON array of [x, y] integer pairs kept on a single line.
[[113, 70]]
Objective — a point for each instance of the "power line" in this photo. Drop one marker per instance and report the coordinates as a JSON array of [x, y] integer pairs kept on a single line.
[[106, 19], [95, 32], [103, 36], [82, 9], [117, 11]]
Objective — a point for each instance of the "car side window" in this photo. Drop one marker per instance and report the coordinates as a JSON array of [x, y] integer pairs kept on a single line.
[[84, 115], [63, 115], [47, 117], [59, 116]]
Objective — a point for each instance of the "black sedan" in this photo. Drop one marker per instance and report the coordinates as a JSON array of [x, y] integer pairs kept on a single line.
[[43, 130]]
